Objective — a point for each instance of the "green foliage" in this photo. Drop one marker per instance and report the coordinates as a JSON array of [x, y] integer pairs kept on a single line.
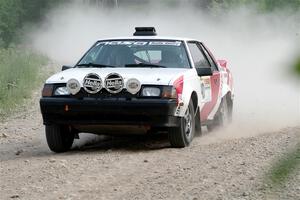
[[19, 74], [10, 15], [14, 14], [270, 5], [262, 5], [297, 66], [284, 168]]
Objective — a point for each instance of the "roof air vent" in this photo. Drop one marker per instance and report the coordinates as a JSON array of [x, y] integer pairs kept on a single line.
[[145, 31]]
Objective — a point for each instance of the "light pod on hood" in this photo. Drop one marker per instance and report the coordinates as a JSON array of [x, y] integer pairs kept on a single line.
[[73, 86], [133, 86]]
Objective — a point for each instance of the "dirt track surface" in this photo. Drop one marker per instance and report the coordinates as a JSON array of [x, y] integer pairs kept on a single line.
[[139, 167]]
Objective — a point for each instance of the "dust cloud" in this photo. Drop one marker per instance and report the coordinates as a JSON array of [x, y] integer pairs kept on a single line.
[[259, 49]]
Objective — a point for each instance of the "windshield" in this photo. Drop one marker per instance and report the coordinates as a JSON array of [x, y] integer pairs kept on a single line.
[[136, 53]]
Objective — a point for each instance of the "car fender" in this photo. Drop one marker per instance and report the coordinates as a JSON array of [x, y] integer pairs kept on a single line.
[[191, 83], [226, 80]]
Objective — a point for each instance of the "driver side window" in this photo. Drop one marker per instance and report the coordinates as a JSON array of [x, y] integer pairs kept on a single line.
[[199, 59]]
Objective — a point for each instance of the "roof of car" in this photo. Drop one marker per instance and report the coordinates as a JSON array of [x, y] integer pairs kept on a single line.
[[149, 38]]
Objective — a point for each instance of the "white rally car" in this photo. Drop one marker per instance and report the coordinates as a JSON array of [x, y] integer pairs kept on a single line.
[[138, 84]]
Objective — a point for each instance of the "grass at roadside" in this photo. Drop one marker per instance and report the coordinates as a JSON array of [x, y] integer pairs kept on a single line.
[[297, 66], [278, 177], [19, 75], [285, 167]]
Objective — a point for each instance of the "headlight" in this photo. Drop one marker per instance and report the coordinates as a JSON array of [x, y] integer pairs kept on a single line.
[[151, 92], [60, 91]]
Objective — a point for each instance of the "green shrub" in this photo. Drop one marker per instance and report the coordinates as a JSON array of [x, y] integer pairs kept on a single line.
[[19, 75], [262, 5], [297, 66]]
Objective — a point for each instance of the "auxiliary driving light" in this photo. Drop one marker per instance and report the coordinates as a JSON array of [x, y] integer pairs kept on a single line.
[[133, 85], [73, 86]]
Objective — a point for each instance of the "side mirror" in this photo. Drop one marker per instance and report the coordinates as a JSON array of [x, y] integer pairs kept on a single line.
[[64, 67], [223, 63], [205, 71]]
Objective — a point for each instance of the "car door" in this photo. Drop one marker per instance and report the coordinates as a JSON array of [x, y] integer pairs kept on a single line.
[[210, 85]]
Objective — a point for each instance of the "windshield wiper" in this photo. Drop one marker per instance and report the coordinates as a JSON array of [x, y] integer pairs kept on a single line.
[[145, 65], [93, 65]]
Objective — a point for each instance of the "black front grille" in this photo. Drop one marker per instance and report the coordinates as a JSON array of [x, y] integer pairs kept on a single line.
[[105, 94]]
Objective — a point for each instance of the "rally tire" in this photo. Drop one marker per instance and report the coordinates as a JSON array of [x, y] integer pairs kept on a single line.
[[222, 117], [198, 128], [183, 135], [59, 138], [230, 109]]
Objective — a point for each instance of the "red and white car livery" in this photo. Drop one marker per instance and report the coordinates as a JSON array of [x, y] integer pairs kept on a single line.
[[138, 84]]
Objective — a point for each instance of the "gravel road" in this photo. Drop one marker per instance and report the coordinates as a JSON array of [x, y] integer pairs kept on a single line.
[[139, 167]]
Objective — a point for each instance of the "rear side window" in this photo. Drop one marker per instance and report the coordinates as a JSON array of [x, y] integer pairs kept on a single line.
[[198, 58]]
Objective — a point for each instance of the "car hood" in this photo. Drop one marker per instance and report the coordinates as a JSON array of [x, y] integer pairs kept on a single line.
[[155, 76]]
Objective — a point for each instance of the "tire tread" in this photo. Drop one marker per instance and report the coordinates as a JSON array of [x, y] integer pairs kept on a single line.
[[177, 135], [58, 139]]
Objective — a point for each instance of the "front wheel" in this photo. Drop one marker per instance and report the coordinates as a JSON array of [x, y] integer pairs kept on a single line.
[[183, 135], [59, 138]]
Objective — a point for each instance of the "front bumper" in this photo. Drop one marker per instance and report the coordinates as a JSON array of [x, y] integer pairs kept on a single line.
[[110, 111]]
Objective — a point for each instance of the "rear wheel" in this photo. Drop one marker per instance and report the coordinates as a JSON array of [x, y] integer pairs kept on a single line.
[[59, 138], [222, 117], [183, 135]]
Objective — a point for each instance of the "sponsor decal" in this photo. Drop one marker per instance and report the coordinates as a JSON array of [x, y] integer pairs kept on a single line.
[[114, 83], [92, 83], [140, 43], [179, 108], [73, 86], [177, 43], [206, 89], [177, 112], [133, 85], [203, 90]]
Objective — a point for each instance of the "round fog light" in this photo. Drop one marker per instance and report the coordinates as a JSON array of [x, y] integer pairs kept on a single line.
[[73, 86], [133, 85]]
